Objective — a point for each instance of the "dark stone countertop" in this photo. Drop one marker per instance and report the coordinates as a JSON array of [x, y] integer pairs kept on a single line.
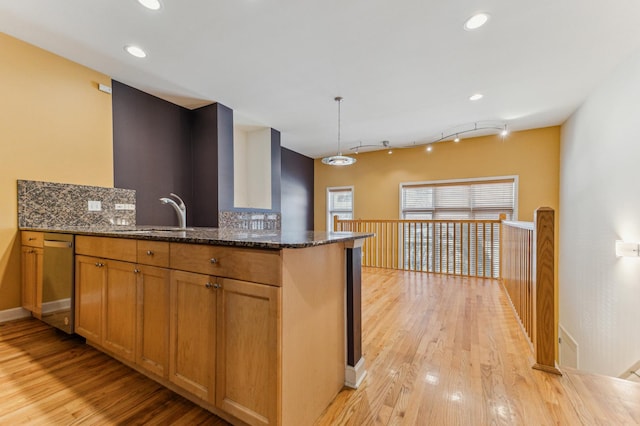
[[213, 236]]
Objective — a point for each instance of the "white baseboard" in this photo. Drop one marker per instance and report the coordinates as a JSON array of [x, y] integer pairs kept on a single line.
[[355, 375], [13, 314]]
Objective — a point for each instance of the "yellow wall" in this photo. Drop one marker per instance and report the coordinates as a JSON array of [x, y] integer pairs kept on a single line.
[[54, 126], [533, 155]]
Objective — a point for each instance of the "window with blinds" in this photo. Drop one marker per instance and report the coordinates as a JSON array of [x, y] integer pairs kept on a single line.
[[339, 203], [460, 199]]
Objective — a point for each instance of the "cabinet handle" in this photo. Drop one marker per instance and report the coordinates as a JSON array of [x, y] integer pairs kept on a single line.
[[213, 260], [216, 285], [136, 271], [99, 264], [149, 253], [209, 285], [31, 238]]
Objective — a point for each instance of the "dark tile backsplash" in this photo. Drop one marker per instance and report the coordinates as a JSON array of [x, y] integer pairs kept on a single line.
[[249, 220], [48, 204]]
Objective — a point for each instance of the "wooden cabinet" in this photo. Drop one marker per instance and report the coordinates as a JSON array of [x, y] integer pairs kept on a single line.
[[106, 302], [106, 298], [107, 248], [255, 265], [154, 253], [192, 344], [120, 303], [32, 280], [248, 342], [152, 351], [91, 275], [217, 337], [123, 306], [32, 268]]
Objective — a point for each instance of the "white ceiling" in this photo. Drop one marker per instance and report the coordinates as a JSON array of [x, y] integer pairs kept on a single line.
[[405, 68]]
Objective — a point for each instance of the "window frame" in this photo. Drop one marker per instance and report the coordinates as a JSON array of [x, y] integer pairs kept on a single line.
[[329, 212], [515, 179]]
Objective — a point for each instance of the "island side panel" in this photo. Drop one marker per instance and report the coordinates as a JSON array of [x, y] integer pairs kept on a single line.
[[313, 330]]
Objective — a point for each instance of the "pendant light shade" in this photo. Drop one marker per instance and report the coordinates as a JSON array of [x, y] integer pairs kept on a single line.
[[339, 159]]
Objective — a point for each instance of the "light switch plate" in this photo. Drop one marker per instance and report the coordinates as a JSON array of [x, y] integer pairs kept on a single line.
[[94, 206]]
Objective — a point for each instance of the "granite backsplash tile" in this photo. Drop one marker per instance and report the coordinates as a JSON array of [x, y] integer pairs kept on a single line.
[[249, 220], [49, 204]]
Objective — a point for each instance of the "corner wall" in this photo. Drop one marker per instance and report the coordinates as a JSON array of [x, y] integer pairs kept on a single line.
[[152, 152], [600, 203], [297, 191], [55, 125]]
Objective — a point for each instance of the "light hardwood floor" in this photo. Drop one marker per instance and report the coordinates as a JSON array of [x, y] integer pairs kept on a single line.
[[439, 351], [448, 351], [48, 378]]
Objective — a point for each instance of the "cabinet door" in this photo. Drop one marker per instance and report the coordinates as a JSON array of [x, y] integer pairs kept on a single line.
[[120, 303], [152, 351], [192, 343], [91, 274], [32, 280], [248, 336]]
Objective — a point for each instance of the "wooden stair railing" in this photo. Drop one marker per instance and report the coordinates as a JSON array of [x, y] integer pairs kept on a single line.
[[529, 280], [455, 247], [521, 254]]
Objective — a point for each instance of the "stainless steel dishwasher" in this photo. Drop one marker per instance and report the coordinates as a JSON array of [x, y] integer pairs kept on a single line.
[[57, 281]]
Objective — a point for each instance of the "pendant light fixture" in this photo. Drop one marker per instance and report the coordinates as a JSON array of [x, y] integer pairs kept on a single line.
[[338, 160]]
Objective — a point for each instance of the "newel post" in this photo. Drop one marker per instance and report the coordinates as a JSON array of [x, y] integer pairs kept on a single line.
[[544, 300]]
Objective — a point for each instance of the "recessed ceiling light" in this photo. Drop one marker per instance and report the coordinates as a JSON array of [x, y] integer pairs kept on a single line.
[[429, 148], [476, 21], [476, 97], [136, 51], [457, 139], [150, 4]]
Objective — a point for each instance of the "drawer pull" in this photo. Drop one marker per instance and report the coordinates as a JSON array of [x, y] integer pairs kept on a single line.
[[213, 260], [149, 253], [209, 285], [31, 238]]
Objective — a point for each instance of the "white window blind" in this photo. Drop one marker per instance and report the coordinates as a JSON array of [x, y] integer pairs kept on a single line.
[[339, 203], [469, 199]]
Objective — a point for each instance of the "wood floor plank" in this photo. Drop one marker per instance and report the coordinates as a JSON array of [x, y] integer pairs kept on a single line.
[[439, 350], [448, 351], [50, 378]]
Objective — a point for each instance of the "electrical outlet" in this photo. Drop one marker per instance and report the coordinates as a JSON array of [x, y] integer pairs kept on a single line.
[[94, 206], [125, 206]]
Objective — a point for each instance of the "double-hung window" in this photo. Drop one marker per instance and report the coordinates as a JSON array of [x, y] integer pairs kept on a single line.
[[339, 203], [483, 198], [454, 242]]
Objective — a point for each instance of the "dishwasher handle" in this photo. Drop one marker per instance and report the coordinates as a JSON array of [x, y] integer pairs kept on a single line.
[[58, 244]]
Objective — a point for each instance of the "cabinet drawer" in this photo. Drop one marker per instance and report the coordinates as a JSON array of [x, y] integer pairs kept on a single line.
[[108, 248], [32, 239], [261, 266], [154, 253]]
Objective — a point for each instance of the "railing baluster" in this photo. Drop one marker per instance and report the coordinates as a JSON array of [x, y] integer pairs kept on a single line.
[[457, 247]]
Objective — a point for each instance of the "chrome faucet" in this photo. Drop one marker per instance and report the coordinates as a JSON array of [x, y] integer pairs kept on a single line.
[[181, 209]]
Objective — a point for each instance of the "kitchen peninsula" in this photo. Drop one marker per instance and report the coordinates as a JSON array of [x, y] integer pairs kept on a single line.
[[248, 324]]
